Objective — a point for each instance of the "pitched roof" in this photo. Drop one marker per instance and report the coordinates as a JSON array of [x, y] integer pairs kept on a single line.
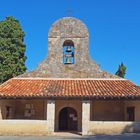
[[69, 88]]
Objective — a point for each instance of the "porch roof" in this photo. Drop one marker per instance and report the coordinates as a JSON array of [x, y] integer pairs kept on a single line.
[[69, 88]]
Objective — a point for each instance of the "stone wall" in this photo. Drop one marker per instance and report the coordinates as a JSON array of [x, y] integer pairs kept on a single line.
[[68, 28], [23, 127], [113, 127]]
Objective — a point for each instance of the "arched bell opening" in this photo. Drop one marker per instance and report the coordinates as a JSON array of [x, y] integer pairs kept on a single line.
[[68, 119], [68, 52]]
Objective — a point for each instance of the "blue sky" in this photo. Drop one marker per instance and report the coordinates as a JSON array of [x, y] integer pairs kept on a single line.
[[114, 27]]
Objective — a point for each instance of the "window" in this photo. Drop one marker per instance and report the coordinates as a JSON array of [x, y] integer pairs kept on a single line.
[[68, 52], [130, 113], [29, 111]]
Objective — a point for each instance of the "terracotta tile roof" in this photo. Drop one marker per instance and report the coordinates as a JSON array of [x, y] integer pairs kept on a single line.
[[76, 88]]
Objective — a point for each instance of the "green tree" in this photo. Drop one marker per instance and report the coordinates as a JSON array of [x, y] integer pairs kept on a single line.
[[121, 70], [12, 49]]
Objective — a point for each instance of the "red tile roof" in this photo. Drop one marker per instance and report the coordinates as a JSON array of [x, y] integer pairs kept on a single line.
[[76, 88]]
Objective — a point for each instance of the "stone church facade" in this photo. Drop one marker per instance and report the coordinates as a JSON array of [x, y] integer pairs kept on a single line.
[[68, 91]]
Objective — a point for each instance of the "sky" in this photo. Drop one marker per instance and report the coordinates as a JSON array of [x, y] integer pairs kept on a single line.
[[114, 27]]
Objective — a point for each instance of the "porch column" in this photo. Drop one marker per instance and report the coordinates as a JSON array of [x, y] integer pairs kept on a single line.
[[1, 115], [0, 112], [51, 115], [85, 117]]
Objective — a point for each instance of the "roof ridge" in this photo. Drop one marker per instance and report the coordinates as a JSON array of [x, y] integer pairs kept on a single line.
[[38, 78]]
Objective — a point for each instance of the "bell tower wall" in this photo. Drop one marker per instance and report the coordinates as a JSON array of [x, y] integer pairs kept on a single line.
[[74, 30]]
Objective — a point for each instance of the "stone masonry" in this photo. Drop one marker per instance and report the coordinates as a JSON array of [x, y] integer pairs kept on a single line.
[[85, 117], [73, 29]]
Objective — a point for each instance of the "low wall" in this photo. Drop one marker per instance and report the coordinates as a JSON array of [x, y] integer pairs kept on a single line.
[[23, 127], [39, 127], [100, 127]]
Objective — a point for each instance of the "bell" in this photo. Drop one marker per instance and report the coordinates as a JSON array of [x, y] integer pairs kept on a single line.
[[68, 49], [68, 60]]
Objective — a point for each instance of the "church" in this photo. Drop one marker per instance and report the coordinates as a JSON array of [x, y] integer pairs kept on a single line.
[[68, 92]]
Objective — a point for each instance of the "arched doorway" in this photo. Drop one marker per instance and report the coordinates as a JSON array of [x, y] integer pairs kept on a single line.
[[68, 119]]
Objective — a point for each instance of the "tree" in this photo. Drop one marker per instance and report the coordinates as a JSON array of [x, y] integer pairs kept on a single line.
[[12, 49], [121, 70]]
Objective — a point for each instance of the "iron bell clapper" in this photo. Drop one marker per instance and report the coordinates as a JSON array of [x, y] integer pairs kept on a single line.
[[68, 60], [68, 49]]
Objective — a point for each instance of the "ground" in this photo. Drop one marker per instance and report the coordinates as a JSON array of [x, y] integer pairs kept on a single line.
[[98, 137]]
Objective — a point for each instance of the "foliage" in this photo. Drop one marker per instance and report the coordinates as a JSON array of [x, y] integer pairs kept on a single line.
[[12, 49], [121, 70]]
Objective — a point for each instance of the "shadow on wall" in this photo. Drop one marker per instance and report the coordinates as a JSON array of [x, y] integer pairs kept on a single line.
[[134, 127], [109, 128], [130, 132]]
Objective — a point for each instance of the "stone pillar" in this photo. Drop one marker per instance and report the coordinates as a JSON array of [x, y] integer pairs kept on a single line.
[[85, 117], [51, 115], [0, 110]]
